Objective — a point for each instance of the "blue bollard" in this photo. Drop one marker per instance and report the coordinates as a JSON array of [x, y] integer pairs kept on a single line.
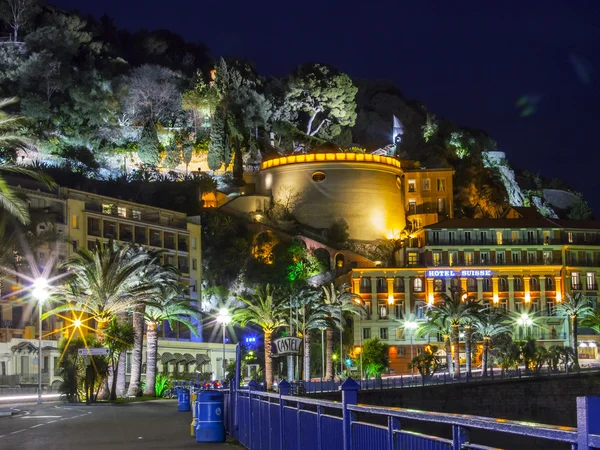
[[209, 424], [183, 400]]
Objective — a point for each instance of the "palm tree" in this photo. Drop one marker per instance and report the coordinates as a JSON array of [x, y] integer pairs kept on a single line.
[[314, 315], [158, 275], [490, 324], [10, 138], [166, 306], [437, 323], [266, 309], [339, 301], [457, 312], [574, 306], [592, 320]]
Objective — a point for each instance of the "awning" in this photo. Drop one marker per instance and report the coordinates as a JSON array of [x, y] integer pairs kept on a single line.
[[189, 358], [166, 358], [201, 359], [179, 358], [24, 346]]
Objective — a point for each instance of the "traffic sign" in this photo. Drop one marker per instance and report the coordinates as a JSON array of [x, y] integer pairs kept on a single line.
[[92, 351]]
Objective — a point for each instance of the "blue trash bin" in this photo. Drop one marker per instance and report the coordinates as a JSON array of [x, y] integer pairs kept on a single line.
[[209, 425], [183, 400]]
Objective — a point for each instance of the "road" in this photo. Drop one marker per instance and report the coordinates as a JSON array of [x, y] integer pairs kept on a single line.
[[58, 426]]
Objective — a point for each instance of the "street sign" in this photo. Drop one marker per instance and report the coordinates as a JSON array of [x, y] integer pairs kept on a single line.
[[92, 351], [287, 345]]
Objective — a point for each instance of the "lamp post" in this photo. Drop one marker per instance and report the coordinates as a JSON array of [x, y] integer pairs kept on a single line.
[[224, 318], [411, 325], [525, 321], [360, 302], [41, 293]]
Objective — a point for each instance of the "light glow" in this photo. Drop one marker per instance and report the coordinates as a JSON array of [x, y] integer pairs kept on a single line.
[[41, 289], [496, 299], [390, 299], [411, 325], [224, 318]]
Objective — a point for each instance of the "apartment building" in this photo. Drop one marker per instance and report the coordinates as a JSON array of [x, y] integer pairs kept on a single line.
[[523, 265]]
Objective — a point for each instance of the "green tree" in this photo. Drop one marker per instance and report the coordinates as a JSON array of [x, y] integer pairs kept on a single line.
[[266, 309], [427, 363], [490, 324], [457, 312], [149, 147], [437, 324], [324, 95], [118, 337], [430, 129], [219, 152], [167, 305], [17, 13], [580, 210], [574, 307], [506, 352], [375, 357]]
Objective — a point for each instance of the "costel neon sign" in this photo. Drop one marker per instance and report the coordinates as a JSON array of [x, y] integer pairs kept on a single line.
[[461, 273]]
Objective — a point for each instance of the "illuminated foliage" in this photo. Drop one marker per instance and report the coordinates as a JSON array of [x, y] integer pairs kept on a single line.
[[375, 357], [430, 128]]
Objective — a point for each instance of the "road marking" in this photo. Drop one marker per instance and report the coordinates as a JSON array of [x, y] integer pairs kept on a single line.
[[40, 417], [2, 435], [38, 425], [18, 431], [52, 421]]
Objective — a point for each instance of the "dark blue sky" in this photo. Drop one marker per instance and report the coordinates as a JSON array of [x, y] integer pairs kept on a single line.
[[469, 61]]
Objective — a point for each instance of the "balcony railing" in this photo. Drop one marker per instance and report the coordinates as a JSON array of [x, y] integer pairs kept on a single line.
[[487, 241]]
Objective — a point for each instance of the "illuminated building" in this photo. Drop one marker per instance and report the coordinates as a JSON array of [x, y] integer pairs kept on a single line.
[[520, 264]]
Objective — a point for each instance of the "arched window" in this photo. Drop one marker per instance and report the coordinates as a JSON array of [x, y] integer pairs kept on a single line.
[[365, 285], [418, 284], [518, 284], [381, 285], [439, 285], [471, 285], [454, 283], [549, 283], [398, 284], [534, 284], [502, 284], [487, 285]]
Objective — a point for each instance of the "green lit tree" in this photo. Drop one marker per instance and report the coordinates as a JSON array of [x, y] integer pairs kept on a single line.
[[489, 325], [438, 324], [323, 95], [574, 307], [375, 357], [149, 147], [266, 309]]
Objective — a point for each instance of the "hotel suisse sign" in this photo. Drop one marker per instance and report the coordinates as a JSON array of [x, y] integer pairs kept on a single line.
[[459, 273]]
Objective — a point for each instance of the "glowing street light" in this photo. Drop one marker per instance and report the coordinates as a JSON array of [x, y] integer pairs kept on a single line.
[[224, 318], [525, 321], [41, 292]]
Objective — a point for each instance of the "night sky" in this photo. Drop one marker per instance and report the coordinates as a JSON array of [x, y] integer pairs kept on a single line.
[[468, 61]]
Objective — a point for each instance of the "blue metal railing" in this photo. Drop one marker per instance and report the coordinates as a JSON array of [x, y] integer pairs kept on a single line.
[[269, 421]]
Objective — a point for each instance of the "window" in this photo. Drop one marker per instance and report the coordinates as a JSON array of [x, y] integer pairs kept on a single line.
[[137, 215], [515, 237], [532, 257], [398, 284], [366, 333], [518, 284], [399, 334], [467, 237], [74, 222], [438, 285], [487, 285], [518, 306], [591, 281], [399, 310], [551, 307], [500, 257], [469, 257], [401, 351], [318, 177], [546, 235], [548, 257], [420, 310], [531, 237], [412, 186], [412, 206], [75, 245], [435, 237], [383, 333], [412, 259], [441, 205], [441, 185], [107, 208], [381, 285], [418, 284], [485, 258], [570, 237], [365, 285], [452, 258], [451, 237], [483, 237], [535, 306], [437, 258], [121, 211], [549, 284], [194, 243], [516, 257], [499, 237], [194, 264], [426, 184], [534, 284], [471, 285], [575, 280], [420, 351]]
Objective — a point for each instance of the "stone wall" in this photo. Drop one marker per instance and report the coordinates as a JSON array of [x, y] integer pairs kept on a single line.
[[548, 400]]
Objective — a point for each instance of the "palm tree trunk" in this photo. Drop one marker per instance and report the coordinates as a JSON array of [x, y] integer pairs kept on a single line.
[[151, 352], [329, 354], [484, 356], [468, 334], [268, 361], [573, 324], [448, 349], [115, 371], [138, 347], [104, 388], [122, 317], [307, 356], [455, 343]]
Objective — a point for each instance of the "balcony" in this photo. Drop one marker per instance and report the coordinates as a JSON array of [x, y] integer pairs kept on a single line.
[[576, 287], [591, 287], [488, 241]]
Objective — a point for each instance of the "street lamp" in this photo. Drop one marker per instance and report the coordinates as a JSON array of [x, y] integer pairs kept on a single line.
[[41, 292], [411, 325], [224, 318], [525, 320]]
